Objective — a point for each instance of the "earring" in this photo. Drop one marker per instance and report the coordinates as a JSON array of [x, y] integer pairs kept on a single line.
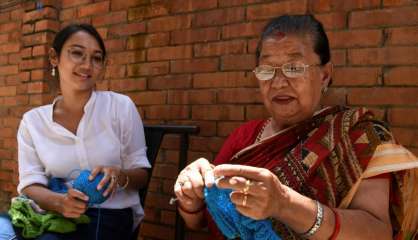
[[324, 90], [53, 72]]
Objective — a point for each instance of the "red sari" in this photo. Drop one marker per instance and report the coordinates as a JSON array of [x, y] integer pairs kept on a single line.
[[324, 158]]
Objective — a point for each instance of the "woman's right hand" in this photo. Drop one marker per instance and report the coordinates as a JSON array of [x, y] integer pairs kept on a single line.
[[190, 183], [73, 204]]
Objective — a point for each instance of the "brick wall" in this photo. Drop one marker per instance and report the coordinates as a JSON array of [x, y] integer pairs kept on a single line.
[[190, 62]]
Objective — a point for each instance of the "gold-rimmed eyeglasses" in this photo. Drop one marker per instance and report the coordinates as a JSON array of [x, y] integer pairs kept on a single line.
[[78, 56], [289, 70]]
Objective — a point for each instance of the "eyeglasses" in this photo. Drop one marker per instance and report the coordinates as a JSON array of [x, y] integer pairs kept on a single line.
[[79, 56], [289, 70]]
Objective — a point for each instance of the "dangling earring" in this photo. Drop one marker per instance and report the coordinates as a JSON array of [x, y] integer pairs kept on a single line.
[[324, 90], [53, 72]]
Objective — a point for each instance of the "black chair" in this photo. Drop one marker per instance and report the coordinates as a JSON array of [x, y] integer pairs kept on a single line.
[[154, 135]]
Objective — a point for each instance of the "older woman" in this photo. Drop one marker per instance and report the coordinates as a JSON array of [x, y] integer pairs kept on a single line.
[[319, 173], [84, 129]]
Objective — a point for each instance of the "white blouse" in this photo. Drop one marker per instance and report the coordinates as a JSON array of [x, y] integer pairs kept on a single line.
[[109, 133]]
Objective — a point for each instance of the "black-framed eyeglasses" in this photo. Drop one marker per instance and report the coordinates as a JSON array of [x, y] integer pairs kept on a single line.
[[289, 70]]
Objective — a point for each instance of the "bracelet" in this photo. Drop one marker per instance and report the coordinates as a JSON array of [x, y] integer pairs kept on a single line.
[[126, 182], [191, 212], [337, 225], [318, 221]]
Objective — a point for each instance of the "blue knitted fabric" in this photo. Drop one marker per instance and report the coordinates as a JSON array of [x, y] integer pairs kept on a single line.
[[82, 184], [233, 224]]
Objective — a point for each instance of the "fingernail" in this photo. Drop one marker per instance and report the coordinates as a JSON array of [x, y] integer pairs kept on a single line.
[[209, 178]]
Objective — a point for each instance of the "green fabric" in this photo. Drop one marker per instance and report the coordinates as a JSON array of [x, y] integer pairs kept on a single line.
[[35, 224]]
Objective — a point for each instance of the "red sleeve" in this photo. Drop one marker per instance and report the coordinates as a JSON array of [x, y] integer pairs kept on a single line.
[[240, 138]]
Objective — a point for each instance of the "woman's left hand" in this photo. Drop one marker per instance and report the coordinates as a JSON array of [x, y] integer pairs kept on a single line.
[[256, 192], [111, 176]]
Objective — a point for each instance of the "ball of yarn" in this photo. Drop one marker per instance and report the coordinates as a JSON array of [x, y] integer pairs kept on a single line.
[[83, 184]]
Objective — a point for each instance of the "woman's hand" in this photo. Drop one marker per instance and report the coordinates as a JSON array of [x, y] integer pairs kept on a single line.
[[73, 204], [111, 176], [190, 183], [256, 192]]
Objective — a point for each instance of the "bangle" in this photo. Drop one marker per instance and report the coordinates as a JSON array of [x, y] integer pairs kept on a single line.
[[318, 221], [126, 182], [337, 225], [191, 212]]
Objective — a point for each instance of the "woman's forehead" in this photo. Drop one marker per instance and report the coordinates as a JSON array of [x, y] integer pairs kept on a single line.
[[289, 46], [83, 39]]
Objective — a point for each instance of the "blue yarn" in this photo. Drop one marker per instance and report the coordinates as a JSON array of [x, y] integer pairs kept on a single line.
[[233, 224], [83, 184]]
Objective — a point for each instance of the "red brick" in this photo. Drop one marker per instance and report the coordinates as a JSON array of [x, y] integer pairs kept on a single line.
[[38, 38], [45, 13], [68, 14], [146, 69], [170, 82], [403, 117], [401, 76], [239, 95], [333, 20], [207, 128], [320, 6], [168, 53], [73, 3], [38, 87], [24, 76], [40, 99], [9, 165], [38, 74], [229, 3], [40, 50], [127, 29], [47, 25], [339, 57], [170, 23], [12, 80], [126, 4], [191, 97], [195, 35], [8, 70], [9, 27], [205, 144], [4, 17], [153, 10], [14, 59], [26, 52], [388, 3], [165, 112], [130, 84], [148, 40], [406, 136], [384, 17], [220, 48], [242, 30], [355, 38], [127, 57], [402, 36], [354, 4], [239, 62], [218, 112], [149, 98], [9, 48], [110, 18], [223, 79], [356, 76], [17, 14], [269, 10], [194, 65], [219, 17], [383, 96], [256, 112], [33, 63], [6, 175], [4, 38], [93, 9], [7, 91], [383, 56], [115, 45], [115, 71], [180, 6], [3, 59]]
